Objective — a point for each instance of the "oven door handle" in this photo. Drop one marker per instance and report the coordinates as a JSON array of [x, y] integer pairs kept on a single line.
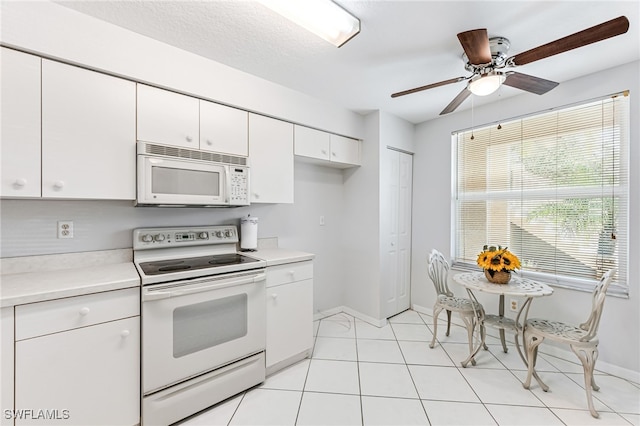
[[151, 294]]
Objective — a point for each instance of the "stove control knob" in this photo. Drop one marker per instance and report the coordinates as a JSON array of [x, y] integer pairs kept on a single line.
[[203, 236], [159, 237], [147, 238], [219, 234], [227, 233]]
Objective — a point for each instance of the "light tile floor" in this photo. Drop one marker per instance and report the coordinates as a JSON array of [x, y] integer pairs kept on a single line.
[[363, 375]]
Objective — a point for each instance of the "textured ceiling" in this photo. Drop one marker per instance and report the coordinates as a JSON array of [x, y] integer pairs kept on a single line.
[[402, 44]]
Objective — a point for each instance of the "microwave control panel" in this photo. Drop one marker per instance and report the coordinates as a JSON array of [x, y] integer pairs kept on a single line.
[[239, 177]]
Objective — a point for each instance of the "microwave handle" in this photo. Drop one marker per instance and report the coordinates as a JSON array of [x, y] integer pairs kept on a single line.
[[150, 295], [227, 179]]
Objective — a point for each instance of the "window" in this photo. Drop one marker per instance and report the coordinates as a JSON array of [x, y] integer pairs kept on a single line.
[[553, 187]]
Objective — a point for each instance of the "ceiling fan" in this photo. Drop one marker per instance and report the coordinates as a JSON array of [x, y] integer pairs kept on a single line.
[[486, 58]]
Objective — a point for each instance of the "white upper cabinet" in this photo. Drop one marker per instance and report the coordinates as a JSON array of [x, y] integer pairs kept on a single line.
[[224, 129], [325, 148], [345, 150], [312, 143], [271, 154], [20, 137], [168, 118], [88, 134]]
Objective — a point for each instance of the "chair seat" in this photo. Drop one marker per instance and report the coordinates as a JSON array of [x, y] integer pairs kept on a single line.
[[459, 304], [556, 330]]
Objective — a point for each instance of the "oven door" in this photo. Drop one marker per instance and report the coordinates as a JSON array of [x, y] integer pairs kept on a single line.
[[166, 181], [194, 326]]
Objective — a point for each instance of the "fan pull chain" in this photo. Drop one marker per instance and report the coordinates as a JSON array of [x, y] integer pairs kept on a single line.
[[472, 137]]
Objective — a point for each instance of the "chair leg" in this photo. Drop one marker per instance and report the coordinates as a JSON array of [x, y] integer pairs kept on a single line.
[[483, 336], [587, 358], [448, 323], [436, 312], [532, 353], [470, 323]]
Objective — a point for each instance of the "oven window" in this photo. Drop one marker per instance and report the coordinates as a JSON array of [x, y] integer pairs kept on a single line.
[[167, 180], [207, 324]]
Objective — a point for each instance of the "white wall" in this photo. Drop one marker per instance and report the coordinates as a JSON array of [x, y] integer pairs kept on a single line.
[[361, 218], [54, 31], [619, 336]]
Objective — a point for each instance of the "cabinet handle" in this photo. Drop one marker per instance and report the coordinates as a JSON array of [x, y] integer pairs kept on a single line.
[[84, 311], [256, 195], [19, 183], [292, 273], [274, 296], [334, 154], [209, 142], [189, 139], [59, 184], [324, 151], [125, 333]]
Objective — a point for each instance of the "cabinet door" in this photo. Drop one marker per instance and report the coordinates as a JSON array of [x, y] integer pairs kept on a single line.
[[289, 320], [20, 135], [88, 134], [168, 118], [345, 150], [6, 363], [224, 129], [93, 372], [271, 156], [311, 143]]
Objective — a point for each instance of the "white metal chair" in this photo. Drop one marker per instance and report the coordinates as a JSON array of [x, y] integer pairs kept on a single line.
[[470, 312], [582, 339]]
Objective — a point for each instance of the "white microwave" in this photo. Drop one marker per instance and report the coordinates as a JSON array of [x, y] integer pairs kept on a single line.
[[174, 176]]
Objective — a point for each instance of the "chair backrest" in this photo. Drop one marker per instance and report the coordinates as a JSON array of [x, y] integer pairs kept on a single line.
[[438, 272], [597, 304]]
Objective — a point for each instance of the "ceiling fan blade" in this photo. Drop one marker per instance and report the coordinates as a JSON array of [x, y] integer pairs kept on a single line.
[[476, 45], [594, 34], [532, 84], [428, 86], [455, 103]]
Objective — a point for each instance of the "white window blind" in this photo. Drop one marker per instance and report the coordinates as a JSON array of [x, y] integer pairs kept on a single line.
[[553, 188]]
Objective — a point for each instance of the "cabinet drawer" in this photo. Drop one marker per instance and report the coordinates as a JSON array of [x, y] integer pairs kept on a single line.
[[291, 272], [37, 319]]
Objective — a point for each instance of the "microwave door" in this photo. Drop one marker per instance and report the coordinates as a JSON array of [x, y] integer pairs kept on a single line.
[[165, 181]]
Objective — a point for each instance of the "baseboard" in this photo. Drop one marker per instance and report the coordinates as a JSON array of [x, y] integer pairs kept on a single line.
[[344, 309]]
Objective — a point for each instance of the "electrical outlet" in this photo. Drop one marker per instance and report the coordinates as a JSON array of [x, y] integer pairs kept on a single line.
[[65, 229], [513, 305]]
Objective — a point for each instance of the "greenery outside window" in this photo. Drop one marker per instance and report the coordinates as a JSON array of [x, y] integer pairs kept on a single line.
[[553, 187]]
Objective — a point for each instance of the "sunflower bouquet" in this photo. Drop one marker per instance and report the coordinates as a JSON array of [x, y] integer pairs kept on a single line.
[[497, 259]]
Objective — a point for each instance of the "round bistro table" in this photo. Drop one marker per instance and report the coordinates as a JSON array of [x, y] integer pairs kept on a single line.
[[517, 287]]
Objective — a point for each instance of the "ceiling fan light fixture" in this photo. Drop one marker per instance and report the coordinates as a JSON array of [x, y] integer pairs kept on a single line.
[[486, 84], [324, 18]]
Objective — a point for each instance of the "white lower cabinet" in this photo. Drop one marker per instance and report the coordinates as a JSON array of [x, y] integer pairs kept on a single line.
[[6, 364], [289, 314], [80, 374]]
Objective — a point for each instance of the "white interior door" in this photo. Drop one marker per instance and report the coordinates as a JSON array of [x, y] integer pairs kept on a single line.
[[396, 226]]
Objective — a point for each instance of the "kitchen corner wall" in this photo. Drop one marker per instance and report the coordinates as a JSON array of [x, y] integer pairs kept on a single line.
[[28, 227]]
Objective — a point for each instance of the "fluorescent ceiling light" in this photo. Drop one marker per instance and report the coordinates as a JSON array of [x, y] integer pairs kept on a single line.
[[486, 84], [324, 18]]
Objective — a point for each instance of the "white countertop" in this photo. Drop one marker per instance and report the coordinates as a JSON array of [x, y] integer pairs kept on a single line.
[[39, 278], [279, 256]]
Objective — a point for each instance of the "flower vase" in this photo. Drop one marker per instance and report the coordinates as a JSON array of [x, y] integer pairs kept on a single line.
[[497, 277]]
